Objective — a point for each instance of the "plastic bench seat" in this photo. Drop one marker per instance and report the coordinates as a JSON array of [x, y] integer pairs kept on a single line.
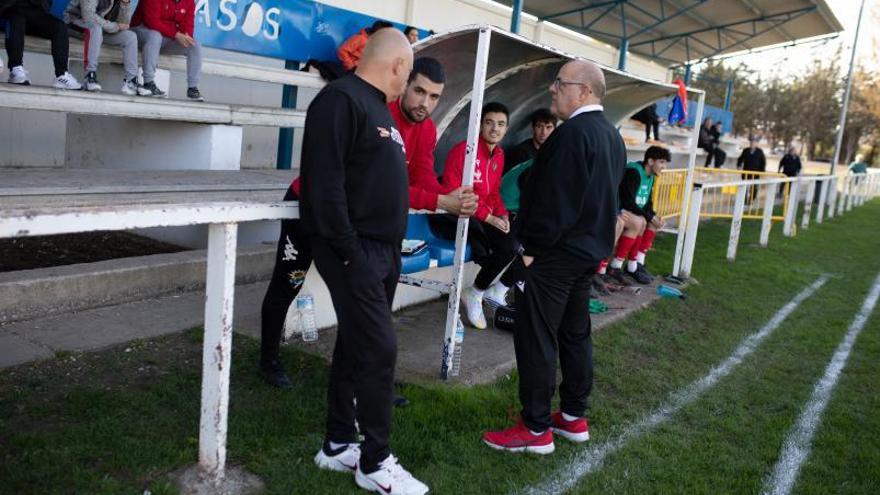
[[441, 250]]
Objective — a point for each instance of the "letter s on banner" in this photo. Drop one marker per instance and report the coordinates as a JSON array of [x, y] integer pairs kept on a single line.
[[233, 19], [274, 23]]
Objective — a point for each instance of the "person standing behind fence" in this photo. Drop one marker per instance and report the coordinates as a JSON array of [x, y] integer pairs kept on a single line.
[[707, 141], [105, 21], [566, 226], [167, 26], [790, 165], [34, 17], [352, 150], [752, 160]]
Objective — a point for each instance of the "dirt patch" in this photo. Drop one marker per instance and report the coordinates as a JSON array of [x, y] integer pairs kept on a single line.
[[27, 253]]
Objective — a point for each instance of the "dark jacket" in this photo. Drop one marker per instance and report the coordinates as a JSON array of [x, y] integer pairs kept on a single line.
[[790, 165], [517, 154], [44, 5], [629, 186], [570, 199], [752, 160]]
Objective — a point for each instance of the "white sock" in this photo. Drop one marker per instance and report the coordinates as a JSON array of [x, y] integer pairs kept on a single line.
[[632, 265], [603, 269], [536, 433], [617, 263], [568, 417], [640, 258], [335, 446], [478, 293]]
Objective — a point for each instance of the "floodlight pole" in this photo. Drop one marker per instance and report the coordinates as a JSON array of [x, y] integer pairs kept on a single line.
[[849, 77], [517, 13]]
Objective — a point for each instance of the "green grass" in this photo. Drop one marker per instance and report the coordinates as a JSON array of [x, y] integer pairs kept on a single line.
[[120, 422]]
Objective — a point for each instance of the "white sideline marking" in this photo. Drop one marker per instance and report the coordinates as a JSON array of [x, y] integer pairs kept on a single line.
[[591, 459], [797, 444]]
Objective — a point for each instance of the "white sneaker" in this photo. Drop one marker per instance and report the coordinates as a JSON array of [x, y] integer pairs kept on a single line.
[[496, 295], [66, 81], [473, 308], [18, 75], [129, 87], [345, 459], [390, 479]]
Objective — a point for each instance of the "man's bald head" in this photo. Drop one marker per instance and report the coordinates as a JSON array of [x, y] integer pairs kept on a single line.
[[591, 74], [579, 83], [386, 62]]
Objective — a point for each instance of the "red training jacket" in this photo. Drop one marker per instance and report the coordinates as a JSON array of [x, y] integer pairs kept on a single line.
[[487, 177], [350, 50], [420, 140], [169, 17]]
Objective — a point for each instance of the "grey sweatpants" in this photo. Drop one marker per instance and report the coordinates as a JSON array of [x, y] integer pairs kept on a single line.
[[153, 43], [94, 37]]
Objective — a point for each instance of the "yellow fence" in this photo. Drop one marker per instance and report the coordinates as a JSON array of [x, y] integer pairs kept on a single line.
[[719, 202], [668, 191]]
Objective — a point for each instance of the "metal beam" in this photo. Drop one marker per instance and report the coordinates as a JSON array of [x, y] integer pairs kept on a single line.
[[585, 8], [664, 19], [517, 13]]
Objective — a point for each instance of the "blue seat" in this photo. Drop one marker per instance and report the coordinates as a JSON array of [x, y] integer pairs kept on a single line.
[[415, 263], [441, 250]]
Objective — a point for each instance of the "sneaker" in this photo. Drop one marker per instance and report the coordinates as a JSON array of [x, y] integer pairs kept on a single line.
[[150, 89], [496, 295], [66, 81], [575, 431], [273, 373], [616, 276], [641, 268], [194, 94], [344, 459], [400, 401], [18, 75], [640, 277], [90, 82], [391, 478], [519, 439], [598, 286], [131, 87], [473, 308]]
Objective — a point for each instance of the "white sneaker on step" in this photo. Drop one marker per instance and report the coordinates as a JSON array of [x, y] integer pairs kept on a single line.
[[344, 459], [66, 81], [496, 295], [473, 307], [18, 75], [390, 479]]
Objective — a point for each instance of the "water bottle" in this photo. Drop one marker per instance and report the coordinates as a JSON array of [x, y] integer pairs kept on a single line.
[[456, 355], [667, 291], [305, 306]]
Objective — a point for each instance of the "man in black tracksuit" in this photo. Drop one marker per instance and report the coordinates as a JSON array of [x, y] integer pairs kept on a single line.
[[752, 160], [355, 200], [567, 217]]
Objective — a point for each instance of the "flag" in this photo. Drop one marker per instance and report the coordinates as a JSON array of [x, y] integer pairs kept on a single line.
[[678, 109]]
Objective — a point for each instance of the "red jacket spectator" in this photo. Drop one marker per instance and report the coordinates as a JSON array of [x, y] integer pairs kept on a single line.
[[350, 51], [169, 17], [487, 177], [420, 140]]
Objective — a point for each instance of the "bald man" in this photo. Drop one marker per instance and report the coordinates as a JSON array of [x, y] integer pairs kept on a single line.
[[354, 206], [567, 216]]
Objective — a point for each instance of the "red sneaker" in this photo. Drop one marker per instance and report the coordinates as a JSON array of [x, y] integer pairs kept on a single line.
[[576, 431], [519, 439]]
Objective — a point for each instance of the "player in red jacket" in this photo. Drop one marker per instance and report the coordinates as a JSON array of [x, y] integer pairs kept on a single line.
[[492, 246], [167, 26]]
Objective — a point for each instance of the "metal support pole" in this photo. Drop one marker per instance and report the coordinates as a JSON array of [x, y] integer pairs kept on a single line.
[[688, 185], [767, 219], [515, 17], [853, 194], [470, 157], [285, 134], [621, 57], [789, 229], [841, 205], [687, 74], [728, 95], [824, 184], [736, 223], [843, 109], [808, 205], [833, 184], [693, 225], [217, 349]]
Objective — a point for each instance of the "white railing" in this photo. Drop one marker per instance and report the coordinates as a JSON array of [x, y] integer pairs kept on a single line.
[[223, 220], [836, 196]]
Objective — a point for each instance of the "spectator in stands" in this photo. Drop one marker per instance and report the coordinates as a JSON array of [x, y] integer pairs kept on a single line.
[[492, 246], [719, 155], [105, 21], [636, 200], [790, 165], [566, 227], [412, 34], [412, 114], [543, 122], [34, 17], [859, 166], [167, 26], [351, 150], [752, 160], [649, 117], [707, 140], [350, 51]]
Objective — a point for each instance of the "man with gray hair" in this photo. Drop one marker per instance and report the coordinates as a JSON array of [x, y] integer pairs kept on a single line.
[[566, 223]]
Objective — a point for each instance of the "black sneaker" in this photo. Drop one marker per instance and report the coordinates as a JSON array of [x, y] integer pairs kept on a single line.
[[150, 89], [598, 286], [639, 277], [641, 268], [616, 276], [194, 94], [273, 373], [90, 82], [400, 401]]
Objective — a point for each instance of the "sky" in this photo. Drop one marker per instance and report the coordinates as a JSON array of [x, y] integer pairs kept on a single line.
[[790, 61]]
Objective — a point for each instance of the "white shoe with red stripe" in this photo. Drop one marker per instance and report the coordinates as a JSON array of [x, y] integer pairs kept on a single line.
[[344, 459], [390, 479], [575, 431]]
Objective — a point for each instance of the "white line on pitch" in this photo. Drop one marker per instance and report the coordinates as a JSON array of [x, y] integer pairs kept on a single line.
[[591, 459], [797, 444]]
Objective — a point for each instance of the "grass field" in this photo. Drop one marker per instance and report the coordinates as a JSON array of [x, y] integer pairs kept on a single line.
[[121, 420]]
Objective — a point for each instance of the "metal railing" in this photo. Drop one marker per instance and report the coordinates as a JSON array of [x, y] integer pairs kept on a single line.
[[669, 189], [720, 202]]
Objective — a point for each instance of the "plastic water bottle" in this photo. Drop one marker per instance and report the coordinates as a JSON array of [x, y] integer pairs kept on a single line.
[[305, 306], [456, 355], [667, 291]]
